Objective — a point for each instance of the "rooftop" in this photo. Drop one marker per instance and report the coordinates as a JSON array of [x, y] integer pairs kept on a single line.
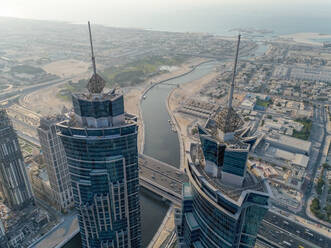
[[4, 119], [290, 141], [232, 141], [110, 95], [96, 84], [74, 123], [228, 120], [46, 122], [252, 181]]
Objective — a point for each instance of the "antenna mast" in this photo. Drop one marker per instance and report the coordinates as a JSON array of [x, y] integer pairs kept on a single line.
[[93, 58], [234, 74]]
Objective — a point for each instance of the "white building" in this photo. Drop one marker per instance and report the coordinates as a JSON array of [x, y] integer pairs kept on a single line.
[[289, 144], [56, 162]]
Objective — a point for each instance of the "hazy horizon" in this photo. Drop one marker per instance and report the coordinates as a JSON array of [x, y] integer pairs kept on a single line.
[[191, 16]]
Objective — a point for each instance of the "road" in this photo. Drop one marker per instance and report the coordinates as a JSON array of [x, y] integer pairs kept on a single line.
[[26, 90], [318, 133], [277, 229]]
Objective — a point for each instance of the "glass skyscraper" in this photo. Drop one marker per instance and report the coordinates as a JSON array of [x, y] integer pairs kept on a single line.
[[226, 197], [14, 184], [100, 141]]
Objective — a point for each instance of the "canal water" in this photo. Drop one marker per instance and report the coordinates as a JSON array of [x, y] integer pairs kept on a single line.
[[160, 143]]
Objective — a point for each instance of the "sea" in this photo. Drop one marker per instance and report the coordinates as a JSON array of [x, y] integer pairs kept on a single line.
[[280, 17]]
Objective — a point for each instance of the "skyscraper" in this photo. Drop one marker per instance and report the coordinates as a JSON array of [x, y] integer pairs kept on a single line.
[[14, 183], [56, 161], [226, 198], [100, 141]]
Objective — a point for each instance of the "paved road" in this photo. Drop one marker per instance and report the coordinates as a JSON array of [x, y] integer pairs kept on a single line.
[[318, 131], [29, 89], [277, 228]]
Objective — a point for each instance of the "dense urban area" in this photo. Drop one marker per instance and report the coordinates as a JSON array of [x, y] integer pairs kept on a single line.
[[282, 95]]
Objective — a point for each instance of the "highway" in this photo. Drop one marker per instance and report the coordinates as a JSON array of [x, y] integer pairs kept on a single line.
[[161, 178], [28, 89], [277, 229], [166, 181]]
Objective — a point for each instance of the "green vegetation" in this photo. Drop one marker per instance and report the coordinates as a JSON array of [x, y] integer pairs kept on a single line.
[[305, 132], [26, 69], [326, 166], [315, 208], [194, 130], [262, 123], [328, 211], [315, 204], [139, 70], [69, 88], [319, 186], [263, 103]]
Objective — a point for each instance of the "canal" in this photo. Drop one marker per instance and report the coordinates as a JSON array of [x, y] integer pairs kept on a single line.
[[160, 143]]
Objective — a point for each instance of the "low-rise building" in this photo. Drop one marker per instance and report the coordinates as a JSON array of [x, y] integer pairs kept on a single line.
[[289, 144]]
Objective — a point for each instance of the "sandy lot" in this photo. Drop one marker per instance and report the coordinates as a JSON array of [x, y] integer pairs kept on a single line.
[[308, 38], [179, 95], [45, 102], [67, 68]]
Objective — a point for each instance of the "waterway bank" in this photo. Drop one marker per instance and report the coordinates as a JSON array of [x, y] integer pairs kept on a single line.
[[160, 141], [157, 129], [175, 100], [184, 70]]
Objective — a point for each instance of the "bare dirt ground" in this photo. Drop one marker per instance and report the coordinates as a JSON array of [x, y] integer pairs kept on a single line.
[[179, 95], [308, 38], [45, 102], [66, 68]]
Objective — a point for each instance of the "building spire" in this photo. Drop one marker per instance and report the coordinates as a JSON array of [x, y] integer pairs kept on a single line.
[[233, 75], [93, 58], [96, 83]]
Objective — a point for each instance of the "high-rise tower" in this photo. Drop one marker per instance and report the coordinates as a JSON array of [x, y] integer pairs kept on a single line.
[[56, 161], [100, 141], [226, 198], [14, 183]]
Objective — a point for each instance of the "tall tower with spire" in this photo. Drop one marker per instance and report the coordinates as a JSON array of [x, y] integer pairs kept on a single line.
[[100, 141], [226, 197]]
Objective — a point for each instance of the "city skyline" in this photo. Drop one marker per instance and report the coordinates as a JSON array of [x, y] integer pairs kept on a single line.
[[165, 141]]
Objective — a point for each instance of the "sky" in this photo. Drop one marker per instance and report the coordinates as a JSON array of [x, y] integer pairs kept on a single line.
[[159, 13], [75, 10]]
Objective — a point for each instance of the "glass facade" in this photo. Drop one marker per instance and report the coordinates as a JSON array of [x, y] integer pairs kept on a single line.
[[14, 183], [98, 108], [235, 162], [215, 226], [216, 212], [103, 165]]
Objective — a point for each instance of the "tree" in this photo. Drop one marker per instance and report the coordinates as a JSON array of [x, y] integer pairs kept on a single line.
[[315, 204]]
